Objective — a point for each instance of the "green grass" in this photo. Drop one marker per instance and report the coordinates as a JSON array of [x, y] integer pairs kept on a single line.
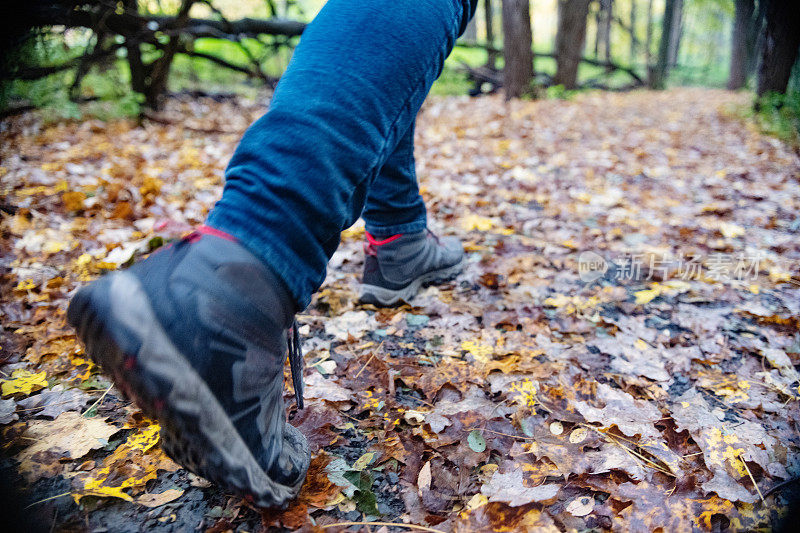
[[775, 114], [779, 115], [713, 75]]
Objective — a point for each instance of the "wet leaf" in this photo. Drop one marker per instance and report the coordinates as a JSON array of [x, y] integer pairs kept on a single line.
[[476, 441], [128, 469], [364, 497], [23, 382], [68, 436], [157, 500], [7, 414], [424, 478], [362, 462], [581, 506], [51, 403], [511, 489]]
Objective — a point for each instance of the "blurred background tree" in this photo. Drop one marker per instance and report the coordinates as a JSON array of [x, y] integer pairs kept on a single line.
[[135, 53]]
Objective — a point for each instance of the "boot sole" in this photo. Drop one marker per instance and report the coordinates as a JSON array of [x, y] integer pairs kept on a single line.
[[376, 295], [123, 336]]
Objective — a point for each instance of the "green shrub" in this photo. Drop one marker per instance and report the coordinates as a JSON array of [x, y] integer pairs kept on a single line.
[[779, 115]]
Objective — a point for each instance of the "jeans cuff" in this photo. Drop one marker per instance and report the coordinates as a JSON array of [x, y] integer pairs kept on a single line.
[[408, 227]]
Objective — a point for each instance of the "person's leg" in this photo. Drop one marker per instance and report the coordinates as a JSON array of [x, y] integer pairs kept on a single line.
[[353, 88], [197, 334], [401, 254], [393, 203]]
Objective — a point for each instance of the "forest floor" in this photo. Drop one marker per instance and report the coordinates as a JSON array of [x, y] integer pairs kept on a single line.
[[620, 351]]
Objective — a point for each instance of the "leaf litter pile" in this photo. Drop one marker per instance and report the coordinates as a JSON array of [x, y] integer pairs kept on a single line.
[[620, 351]]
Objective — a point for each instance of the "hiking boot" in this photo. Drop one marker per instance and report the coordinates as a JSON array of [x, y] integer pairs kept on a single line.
[[197, 335], [396, 267]]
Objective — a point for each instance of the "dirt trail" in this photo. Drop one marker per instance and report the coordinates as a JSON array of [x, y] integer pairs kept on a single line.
[[619, 352]]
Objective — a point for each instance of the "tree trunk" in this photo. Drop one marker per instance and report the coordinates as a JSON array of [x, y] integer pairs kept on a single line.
[[740, 43], [756, 39], [161, 66], [603, 31], [659, 75], [677, 32], [138, 70], [517, 47], [632, 51], [609, 5], [488, 17], [648, 43], [598, 23], [570, 39], [781, 39]]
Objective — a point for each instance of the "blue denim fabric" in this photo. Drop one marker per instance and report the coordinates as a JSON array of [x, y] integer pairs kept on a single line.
[[394, 204], [341, 116]]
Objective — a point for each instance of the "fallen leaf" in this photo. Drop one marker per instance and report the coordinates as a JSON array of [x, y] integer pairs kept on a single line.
[[24, 382], [476, 441], [317, 386], [424, 478], [581, 506], [129, 468], [55, 401], [157, 500], [510, 488], [362, 462], [7, 411], [69, 436]]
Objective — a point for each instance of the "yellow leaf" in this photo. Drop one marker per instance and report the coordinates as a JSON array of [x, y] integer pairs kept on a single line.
[[731, 230], [502, 146], [559, 300], [362, 462], [778, 276], [30, 191], [97, 489], [24, 382], [477, 222], [647, 295], [472, 247], [477, 501], [53, 247], [73, 200], [150, 186], [25, 285], [678, 285], [480, 352], [131, 466], [353, 233], [525, 393], [144, 439]]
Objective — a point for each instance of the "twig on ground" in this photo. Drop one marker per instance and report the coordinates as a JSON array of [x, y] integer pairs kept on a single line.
[[747, 468], [100, 399], [48, 499]]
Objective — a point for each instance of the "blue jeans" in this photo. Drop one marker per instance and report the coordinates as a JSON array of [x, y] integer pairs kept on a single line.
[[338, 138]]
